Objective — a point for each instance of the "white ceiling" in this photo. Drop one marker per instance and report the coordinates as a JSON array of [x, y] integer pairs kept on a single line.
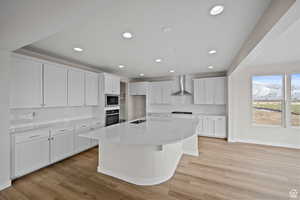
[[184, 49], [281, 44], [24, 22]]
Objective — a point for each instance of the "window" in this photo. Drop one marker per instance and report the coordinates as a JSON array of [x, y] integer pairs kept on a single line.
[[295, 100], [268, 100]]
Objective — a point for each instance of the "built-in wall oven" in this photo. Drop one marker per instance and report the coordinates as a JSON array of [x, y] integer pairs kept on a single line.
[[112, 100], [112, 117]]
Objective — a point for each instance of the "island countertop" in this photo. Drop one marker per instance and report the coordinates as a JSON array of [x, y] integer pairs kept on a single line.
[[155, 131]]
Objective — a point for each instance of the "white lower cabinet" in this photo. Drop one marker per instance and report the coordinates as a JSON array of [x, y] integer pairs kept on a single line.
[[82, 143], [62, 144], [30, 152], [212, 126]]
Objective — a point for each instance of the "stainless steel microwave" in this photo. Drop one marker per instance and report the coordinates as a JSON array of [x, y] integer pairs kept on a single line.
[[112, 100]]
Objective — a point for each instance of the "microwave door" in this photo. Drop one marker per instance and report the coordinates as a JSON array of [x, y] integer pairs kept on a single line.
[[112, 100]]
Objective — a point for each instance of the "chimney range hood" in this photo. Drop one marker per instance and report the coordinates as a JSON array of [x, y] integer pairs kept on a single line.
[[182, 91]]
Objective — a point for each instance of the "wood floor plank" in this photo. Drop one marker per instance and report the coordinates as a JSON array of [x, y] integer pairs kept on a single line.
[[223, 171]]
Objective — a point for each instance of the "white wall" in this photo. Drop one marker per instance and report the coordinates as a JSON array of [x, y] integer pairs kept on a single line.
[[240, 126], [4, 121], [185, 103]]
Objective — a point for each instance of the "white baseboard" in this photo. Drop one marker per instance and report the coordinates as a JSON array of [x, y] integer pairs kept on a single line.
[[251, 141], [191, 153], [5, 185]]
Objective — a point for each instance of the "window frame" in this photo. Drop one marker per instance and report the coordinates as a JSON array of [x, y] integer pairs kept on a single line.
[[289, 100], [282, 100]]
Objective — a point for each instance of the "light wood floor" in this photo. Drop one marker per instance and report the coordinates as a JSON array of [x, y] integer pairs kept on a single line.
[[222, 171]]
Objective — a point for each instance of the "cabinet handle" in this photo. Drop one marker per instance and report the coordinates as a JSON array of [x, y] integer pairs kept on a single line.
[[63, 130], [34, 136], [84, 126]]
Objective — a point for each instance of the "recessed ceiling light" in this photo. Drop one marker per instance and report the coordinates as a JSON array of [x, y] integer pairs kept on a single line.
[[210, 67], [212, 52], [121, 66], [158, 60], [172, 71], [78, 49], [216, 10], [127, 35], [142, 74], [166, 29]]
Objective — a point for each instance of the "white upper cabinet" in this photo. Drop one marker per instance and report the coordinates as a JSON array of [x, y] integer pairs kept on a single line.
[[160, 92], [138, 88], [55, 85], [210, 91], [75, 87], [91, 88], [26, 83], [111, 84], [220, 94]]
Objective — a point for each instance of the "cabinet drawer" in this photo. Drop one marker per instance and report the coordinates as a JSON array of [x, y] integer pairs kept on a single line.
[[62, 130], [31, 135]]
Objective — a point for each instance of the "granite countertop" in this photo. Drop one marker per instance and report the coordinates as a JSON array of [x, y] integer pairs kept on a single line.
[[155, 131], [16, 128]]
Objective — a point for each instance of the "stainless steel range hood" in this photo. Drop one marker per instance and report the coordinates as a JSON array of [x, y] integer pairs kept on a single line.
[[182, 91]]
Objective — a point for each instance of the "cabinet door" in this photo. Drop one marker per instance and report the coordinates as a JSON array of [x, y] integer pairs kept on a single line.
[[220, 127], [107, 84], [111, 84], [134, 88], [82, 143], [143, 88], [199, 91], [155, 94], [208, 129], [116, 85], [220, 90], [94, 143], [209, 90], [26, 83], [75, 87], [166, 91], [31, 155], [55, 85], [91, 88], [62, 145], [138, 88], [200, 127]]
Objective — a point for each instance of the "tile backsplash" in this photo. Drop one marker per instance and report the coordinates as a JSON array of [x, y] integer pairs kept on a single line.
[[22, 116]]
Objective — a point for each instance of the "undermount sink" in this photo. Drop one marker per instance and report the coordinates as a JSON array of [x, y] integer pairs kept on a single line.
[[138, 121]]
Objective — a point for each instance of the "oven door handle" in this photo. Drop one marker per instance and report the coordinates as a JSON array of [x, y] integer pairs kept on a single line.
[[112, 114]]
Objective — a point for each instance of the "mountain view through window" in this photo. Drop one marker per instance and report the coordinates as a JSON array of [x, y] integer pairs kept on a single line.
[[267, 99]]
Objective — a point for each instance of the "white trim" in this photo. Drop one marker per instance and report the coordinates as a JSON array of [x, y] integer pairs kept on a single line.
[[5, 185], [191, 153], [252, 141]]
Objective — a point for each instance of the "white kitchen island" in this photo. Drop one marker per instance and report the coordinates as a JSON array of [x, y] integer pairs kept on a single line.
[[147, 153]]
